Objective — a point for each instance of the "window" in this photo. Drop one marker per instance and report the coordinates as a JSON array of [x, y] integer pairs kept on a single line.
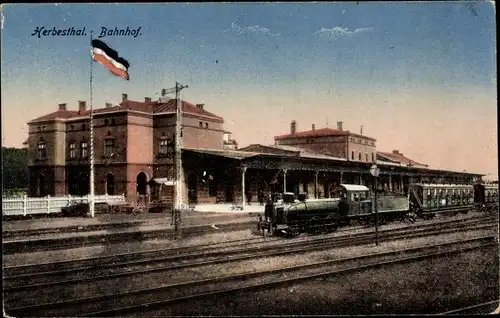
[[112, 121], [106, 122], [84, 149], [109, 145], [72, 127], [359, 156], [366, 157], [72, 150], [42, 150], [206, 125], [84, 127], [373, 157], [352, 155], [163, 146], [201, 124]]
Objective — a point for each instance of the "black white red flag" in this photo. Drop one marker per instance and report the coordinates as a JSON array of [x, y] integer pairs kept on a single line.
[[108, 57]]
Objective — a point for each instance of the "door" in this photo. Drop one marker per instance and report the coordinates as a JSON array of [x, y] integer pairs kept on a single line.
[[142, 183], [229, 193], [192, 188], [110, 184]]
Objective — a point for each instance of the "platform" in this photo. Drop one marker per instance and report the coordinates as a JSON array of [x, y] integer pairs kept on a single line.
[[114, 221], [229, 208]]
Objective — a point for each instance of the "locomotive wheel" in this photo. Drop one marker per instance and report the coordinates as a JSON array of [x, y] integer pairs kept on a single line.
[[331, 224], [313, 225]]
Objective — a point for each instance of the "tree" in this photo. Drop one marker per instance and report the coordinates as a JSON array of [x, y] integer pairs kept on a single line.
[[15, 168]]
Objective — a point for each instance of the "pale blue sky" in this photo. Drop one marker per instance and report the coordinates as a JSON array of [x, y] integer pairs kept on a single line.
[[399, 69]]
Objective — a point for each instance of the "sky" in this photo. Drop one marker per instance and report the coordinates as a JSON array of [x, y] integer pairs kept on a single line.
[[419, 77]]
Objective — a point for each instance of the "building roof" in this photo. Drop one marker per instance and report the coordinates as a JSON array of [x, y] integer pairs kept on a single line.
[[397, 157], [152, 107], [233, 154], [292, 151], [322, 132]]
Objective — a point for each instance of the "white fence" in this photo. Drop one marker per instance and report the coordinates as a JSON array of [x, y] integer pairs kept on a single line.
[[46, 205]]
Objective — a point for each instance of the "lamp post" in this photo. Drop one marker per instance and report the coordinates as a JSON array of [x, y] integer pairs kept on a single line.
[[375, 171]]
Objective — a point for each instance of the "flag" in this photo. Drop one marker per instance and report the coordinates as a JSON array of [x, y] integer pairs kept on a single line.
[[108, 57]]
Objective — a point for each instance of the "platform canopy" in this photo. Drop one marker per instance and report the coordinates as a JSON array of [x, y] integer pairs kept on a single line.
[[354, 187]]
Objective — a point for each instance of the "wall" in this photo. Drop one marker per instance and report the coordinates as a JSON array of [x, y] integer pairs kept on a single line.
[[140, 139], [117, 131], [195, 136], [52, 134], [330, 145], [363, 146]]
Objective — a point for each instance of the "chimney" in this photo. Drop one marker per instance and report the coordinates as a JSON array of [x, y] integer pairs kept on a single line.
[[313, 127], [124, 97], [339, 125], [361, 130], [293, 127], [109, 105], [200, 106], [62, 106], [82, 106], [147, 99], [396, 152]]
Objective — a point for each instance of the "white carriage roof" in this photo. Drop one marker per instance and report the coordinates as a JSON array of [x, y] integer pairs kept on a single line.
[[164, 181], [354, 187], [430, 185]]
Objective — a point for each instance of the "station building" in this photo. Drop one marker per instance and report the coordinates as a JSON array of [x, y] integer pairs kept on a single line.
[[134, 155]]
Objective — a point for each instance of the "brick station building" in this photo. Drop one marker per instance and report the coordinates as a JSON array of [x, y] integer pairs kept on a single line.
[[133, 142], [134, 155]]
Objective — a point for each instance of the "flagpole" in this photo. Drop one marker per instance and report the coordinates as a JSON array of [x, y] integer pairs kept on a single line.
[[91, 200]]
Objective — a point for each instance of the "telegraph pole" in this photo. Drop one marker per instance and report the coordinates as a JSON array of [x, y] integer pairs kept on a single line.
[[178, 157]]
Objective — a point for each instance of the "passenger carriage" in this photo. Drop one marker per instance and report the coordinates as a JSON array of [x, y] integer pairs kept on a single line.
[[486, 197], [430, 198]]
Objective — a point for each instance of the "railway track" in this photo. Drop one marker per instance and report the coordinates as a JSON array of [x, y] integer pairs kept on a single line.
[[22, 285], [138, 300], [490, 307], [41, 275]]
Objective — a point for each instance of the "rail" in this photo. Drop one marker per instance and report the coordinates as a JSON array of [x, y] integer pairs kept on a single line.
[[47, 205]]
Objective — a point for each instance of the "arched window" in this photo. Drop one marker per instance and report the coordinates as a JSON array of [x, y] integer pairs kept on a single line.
[[72, 150], [109, 147], [84, 151], [352, 155], [42, 149]]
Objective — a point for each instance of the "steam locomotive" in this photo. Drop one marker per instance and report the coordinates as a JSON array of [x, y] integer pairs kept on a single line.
[[354, 202]]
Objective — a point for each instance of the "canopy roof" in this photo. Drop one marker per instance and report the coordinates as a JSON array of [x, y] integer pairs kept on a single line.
[[354, 187]]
